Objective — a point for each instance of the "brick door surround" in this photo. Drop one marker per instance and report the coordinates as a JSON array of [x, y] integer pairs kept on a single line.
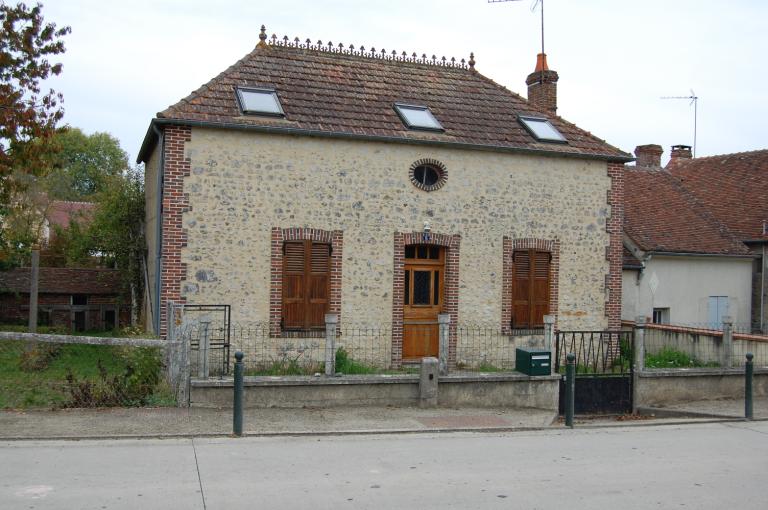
[[451, 243]]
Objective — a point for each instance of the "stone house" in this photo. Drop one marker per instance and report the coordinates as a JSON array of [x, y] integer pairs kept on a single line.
[[681, 264], [384, 188]]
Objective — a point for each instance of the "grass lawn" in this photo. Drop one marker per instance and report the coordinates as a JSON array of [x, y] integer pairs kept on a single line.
[[48, 388]]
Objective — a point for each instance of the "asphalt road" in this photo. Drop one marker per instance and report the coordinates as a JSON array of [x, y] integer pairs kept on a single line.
[[700, 466]]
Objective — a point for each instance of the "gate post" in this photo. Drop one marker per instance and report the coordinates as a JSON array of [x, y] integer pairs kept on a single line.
[[638, 363], [549, 331], [205, 344], [727, 347], [331, 321], [444, 322]]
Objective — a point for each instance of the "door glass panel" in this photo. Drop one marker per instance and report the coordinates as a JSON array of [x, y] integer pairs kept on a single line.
[[423, 250], [436, 299], [421, 287], [407, 287], [410, 252], [434, 252]]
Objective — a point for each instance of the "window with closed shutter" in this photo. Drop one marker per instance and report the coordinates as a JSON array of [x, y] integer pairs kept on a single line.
[[306, 278], [530, 288]]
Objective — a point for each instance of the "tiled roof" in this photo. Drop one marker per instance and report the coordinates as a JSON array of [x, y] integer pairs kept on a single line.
[[733, 187], [60, 212], [352, 94], [63, 280], [662, 216]]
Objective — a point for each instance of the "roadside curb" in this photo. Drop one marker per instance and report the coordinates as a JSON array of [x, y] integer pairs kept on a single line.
[[664, 412], [377, 432]]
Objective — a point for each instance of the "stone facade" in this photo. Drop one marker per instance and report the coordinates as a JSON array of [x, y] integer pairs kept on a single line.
[[225, 192]]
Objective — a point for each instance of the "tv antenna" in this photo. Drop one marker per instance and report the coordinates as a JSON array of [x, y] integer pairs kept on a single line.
[[534, 4], [695, 102]]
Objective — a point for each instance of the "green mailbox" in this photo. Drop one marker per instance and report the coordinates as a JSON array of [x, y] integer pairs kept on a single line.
[[533, 361]]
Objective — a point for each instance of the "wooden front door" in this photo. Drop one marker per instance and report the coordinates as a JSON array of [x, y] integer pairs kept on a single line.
[[423, 300]]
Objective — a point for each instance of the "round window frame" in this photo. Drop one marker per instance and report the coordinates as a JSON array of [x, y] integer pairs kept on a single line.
[[437, 166]]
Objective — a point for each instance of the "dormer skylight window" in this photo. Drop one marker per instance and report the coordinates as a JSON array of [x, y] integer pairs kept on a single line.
[[256, 101], [417, 117], [542, 129]]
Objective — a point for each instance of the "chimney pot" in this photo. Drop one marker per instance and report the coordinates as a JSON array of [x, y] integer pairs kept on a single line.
[[680, 152], [648, 155], [542, 86]]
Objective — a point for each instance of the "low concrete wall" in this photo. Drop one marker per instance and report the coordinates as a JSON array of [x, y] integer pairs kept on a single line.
[[665, 387], [495, 390], [477, 390]]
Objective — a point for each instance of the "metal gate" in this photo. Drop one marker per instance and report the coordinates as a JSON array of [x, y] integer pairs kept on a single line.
[[209, 324], [603, 370]]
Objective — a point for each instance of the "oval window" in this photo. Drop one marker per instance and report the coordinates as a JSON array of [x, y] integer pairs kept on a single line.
[[428, 175]]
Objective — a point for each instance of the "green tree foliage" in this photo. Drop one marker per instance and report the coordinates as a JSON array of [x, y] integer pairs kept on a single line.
[[28, 115], [115, 234], [83, 164]]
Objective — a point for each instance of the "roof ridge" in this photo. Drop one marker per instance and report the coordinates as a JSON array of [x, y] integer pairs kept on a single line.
[[372, 54], [713, 156], [73, 202]]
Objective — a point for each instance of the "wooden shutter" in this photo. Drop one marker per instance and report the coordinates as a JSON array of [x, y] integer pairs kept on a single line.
[[318, 284], [306, 278], [540, 288], [530, 288], [294, 285], [521, 289]]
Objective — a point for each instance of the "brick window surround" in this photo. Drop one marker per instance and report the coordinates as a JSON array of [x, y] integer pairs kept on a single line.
[[552, 246], [450, 294], [279, 235]]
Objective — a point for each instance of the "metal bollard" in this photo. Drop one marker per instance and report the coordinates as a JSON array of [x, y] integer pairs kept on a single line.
[[749, 374], [570, 388], [237, 407]]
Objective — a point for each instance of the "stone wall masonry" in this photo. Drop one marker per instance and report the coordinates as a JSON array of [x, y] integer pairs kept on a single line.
[[242, 185]]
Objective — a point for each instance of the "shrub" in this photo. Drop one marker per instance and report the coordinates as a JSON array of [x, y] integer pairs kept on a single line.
[[39, 357], [134, 387], [672, 358]]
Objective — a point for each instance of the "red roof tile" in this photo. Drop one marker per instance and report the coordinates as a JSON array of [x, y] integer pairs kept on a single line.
[[662, 216], [733, 187], [354, 94], [60, 212]]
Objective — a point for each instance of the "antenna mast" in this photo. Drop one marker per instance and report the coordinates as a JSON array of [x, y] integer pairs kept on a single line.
[[533, 7], [695, 102]]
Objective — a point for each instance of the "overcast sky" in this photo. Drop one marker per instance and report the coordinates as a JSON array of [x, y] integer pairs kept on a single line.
[[125, 61]]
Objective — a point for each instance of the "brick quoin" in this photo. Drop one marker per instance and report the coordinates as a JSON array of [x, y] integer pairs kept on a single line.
[[175, 204], [614, 227], [278, 236], [509, 246], [452, 244]]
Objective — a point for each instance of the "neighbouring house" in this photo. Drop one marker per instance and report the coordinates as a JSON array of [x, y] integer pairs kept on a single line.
[[734, 189], [384, 188], [682, 265], [75, 298]]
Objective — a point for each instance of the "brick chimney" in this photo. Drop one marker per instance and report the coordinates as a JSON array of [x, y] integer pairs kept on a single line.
[[542, 86], [648, 155], [680, 152]]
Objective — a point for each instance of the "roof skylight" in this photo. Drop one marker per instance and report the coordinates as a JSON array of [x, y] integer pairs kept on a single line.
[[259, 102], [542, 129], [417, 117]]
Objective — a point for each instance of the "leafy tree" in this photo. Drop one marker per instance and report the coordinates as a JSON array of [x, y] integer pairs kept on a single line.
[[83, 164], [28, 116], [116, 233]]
